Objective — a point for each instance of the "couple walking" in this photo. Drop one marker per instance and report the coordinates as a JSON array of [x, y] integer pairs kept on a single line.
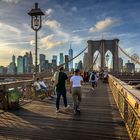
[[75, 88]]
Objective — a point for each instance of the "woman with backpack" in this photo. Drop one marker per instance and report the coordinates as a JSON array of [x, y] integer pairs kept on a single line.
[[93, 79]]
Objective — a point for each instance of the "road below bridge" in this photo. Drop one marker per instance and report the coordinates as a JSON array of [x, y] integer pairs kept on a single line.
[[37, 120]]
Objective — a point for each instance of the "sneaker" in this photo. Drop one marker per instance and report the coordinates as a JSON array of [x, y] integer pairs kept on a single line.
[[57, 111], [78, 109], [75, 112], [50, 98], [68, 106]]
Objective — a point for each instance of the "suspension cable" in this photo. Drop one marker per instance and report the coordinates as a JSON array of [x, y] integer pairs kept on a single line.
[[94, 60], [72, 58], [136, 61]]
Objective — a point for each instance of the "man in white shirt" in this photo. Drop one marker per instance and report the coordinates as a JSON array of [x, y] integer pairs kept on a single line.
[[42, 84], [45, 87], [37, 85], [75, 89]]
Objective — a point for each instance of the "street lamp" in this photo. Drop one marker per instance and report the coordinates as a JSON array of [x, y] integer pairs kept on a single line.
[[36, 23], [107, 59]]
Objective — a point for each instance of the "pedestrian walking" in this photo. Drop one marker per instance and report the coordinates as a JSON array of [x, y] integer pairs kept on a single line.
[[93, 79], [61, 89], [75, 89]]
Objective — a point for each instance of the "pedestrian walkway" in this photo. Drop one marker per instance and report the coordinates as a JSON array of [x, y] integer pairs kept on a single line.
[[99, 120]]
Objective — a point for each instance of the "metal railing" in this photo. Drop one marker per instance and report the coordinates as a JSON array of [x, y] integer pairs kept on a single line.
[[128, 104], [24, 88]]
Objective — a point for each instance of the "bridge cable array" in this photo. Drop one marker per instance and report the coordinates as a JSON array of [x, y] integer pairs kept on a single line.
[[136, 61]]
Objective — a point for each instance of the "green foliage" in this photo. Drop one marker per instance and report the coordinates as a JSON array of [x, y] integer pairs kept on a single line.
[[14, 95]]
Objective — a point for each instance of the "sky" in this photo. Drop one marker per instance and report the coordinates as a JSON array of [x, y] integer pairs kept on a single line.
[[68, 22]]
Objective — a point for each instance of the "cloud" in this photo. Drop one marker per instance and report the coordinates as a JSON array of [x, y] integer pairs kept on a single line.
[[76, 39], [6, 53], [65, 37], [49, 42], [11, 1], [104, 24], [53, 24], [74, 9], [6, 27], [23, 52], [32, 42], [128, 50], [49, 12], [81, 30]]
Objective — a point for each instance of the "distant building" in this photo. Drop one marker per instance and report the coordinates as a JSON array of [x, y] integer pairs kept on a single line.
[[129, 67], [28, 63], [11, 68], [61, 59], [80, 65], [3, 70], [120, 65], [20, 65], [70, 57], [13, 59], [76, 65], [54, 57], [66, 63], [42, 63], [54, 64], [47, 65]]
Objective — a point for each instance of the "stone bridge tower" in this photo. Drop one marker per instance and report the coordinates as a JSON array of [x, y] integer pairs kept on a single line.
[[103, 46]]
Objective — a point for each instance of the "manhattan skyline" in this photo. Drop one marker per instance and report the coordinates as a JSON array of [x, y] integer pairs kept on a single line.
[[67, 22]]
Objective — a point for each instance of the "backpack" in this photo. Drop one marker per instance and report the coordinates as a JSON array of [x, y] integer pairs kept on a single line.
[[93, 77], [55, 78]]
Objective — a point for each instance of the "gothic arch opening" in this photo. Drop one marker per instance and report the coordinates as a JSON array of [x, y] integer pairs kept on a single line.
[[108, 60], [97, 60]]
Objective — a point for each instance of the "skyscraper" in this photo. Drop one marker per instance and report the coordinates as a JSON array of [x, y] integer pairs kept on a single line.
[[42, 62], [54, 64], [11, 69], [28, 62], [120, 64], [66, 61], [80, 65], [61, 59], [54, 57], [13, 58], [70, 57], [20, 65]]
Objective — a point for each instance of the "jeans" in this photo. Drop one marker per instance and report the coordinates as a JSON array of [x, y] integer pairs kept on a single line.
[[59, 93]]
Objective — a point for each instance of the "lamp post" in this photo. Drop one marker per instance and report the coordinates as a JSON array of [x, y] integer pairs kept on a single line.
[[36, 23], [107, 59]]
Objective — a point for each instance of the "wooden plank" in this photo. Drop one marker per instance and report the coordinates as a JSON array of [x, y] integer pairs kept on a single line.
[[100, 119]]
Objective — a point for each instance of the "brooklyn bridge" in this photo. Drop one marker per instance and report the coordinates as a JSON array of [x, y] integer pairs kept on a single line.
[[111, 111]]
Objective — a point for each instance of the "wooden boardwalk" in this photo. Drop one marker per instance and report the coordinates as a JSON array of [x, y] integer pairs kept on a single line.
[[100, 119]]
